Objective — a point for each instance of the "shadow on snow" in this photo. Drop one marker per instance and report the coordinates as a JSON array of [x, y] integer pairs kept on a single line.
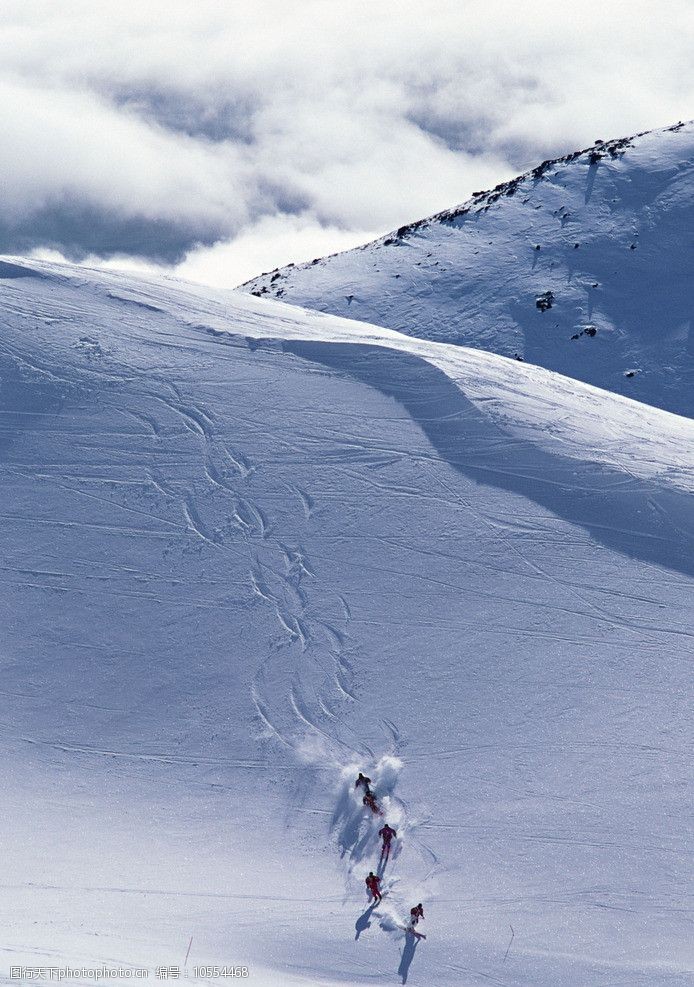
[[615, 508]]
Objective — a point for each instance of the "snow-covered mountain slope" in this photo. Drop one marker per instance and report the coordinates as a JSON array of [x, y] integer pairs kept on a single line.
[[584, 265], [248, 550]]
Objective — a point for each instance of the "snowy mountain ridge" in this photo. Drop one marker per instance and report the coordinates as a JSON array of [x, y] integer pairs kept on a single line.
[[582, 265]]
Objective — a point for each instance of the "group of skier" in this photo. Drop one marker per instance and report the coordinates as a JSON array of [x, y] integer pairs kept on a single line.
[[387, 833]]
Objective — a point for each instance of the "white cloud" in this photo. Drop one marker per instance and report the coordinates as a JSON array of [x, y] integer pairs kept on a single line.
[[271, 242], [174, 124], [65, 143]]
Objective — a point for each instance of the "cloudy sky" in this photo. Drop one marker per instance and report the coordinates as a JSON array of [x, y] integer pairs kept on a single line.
[[221, 138]]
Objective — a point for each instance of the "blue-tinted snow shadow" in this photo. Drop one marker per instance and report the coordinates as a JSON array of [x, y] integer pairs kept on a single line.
[[12, 271], [407, 956], [590, 181], [364, 921], [640, 518], [382, 864]]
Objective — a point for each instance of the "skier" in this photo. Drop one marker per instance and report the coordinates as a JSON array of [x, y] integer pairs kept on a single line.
[[363, 780], [415, 914], [373, 885], [386, 834], [370, 800]]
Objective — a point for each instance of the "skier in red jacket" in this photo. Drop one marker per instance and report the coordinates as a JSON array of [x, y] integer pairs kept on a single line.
[[373, 883], [386, 834], [370, 800]]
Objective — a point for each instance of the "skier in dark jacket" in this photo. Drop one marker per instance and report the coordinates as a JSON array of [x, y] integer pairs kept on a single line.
[[416, 913], [363, 780], [386, 833]]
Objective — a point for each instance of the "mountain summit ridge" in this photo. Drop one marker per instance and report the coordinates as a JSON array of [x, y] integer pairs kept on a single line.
[[581, 265]]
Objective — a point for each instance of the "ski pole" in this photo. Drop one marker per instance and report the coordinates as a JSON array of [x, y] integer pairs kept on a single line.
[[510, 941]]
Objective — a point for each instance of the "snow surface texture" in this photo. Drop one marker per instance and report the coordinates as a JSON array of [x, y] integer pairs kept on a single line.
[[249, 550], [584, 265]]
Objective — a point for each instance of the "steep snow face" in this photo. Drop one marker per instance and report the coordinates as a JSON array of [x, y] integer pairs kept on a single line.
[[249, 550], [584, 266]]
